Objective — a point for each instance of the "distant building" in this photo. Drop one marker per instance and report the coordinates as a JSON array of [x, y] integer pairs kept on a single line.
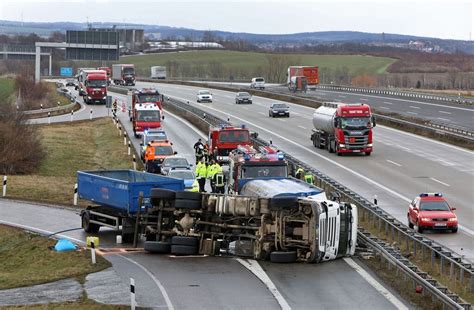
[[181, 45], [130, 38]]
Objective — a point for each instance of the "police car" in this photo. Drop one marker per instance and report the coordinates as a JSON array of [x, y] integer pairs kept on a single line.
[[431, 211]]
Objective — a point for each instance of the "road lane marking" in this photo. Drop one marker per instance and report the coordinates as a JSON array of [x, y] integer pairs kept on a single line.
[[440, 182], [254, 267], [281, 120], [394, 163], [342, 96], [386, 108], [444, 119], [414, 107], [302, 127], [157, 282], [386, 102], [414, 113], [363, 99], [444, 112], [245, 108], [375, 284], [261, 113]]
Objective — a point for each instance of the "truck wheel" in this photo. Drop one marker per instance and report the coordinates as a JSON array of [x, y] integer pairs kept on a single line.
[[188, 195], [183, 250], [187, 204], [183, 240], [87, 225], [284, 202], [157, 247], [283, 257], [161, 193]]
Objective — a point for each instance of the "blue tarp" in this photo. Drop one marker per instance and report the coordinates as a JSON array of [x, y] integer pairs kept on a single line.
[[64, 245]]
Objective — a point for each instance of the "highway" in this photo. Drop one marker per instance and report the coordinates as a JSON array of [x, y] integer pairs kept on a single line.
[[401, 166], [215, 282]]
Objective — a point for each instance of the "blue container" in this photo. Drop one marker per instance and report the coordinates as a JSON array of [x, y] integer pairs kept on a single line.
[[119, 189]]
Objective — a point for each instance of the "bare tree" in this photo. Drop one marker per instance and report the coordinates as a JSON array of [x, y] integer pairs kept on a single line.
[[452, 78], [277, 65]]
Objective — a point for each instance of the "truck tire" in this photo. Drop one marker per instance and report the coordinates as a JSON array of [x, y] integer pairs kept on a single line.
[[157, 247], [283, 202], [183, 240], [187, 204], [161, 193], [87, 225], [188, 195], [183, 250], [283, 257]]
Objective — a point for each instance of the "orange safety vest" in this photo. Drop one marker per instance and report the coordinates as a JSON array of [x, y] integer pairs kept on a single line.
[[150, 153]]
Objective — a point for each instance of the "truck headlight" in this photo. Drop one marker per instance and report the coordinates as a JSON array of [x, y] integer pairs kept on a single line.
[[369, 145], [425, 219], [342, 145], [105, 97], [453, 219], [89, 97]]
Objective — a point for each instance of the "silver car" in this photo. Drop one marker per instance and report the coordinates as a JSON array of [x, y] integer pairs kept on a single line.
[[174, 162]]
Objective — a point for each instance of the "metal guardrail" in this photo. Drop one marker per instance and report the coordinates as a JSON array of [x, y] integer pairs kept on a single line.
[[398, 93], [54, 109], [459, 270]]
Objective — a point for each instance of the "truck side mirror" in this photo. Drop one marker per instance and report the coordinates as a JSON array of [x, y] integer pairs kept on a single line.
[[336, 122], [163, 117], [175, 153], [373, 121]]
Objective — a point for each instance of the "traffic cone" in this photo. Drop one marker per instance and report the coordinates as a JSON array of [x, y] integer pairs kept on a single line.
[[123, 106]]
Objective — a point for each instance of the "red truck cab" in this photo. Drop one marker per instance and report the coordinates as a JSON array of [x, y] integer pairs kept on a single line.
[[145, 116], [109, 74], [148, 95], [95, 86], [224, 139]]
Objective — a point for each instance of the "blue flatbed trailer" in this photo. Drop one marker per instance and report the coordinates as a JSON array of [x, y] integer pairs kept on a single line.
[[118, 190]]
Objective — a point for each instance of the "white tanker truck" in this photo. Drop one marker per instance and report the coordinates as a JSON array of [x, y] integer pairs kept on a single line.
[[343, 128]]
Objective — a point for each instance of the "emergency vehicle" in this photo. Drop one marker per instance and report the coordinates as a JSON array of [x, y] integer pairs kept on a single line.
[[145, 116], [226, 138], [432, 211], [163, 149], [146, 95]]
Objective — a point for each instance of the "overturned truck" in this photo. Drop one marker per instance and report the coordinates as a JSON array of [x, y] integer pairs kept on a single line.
[[281, 228]]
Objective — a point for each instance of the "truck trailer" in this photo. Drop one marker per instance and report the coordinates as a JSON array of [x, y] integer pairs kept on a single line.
[[158, 72], [123, 74], [283, 229], [93, 86], [310, 72], [343, 128]]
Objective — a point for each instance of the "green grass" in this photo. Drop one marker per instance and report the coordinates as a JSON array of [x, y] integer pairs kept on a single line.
[[25, 259], [244, 65], [7, 88], [85, 145]]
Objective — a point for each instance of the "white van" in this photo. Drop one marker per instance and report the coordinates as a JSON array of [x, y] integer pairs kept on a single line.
[[258, 82]]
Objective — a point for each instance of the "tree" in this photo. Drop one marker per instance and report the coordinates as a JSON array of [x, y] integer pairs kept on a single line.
[[418, 84]]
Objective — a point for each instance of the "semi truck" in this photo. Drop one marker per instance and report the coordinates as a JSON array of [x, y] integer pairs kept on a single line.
[[298, 83], [93, 86], [145, 116], [343, 128], [123, 74], [223, 139], [310, 72], [109, 74], [171, 220], [158, 72]]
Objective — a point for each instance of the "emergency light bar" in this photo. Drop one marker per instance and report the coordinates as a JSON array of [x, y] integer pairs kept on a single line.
[[431, 195]]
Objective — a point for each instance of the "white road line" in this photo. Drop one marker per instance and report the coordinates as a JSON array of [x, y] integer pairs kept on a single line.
[[404, 148], [157, 282], [41, 231], [363, 99], [444, 119], [187, 124], [440, 182], [302, 127], [245, 108], [261, 113], [414, 107], [444, 112], [342, 96], [412, 113], [394, 163], [375, 284], [256, 269], [281, 119], [386, 108], [386, 102]]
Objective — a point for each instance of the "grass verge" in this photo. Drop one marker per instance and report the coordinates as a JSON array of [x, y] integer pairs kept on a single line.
[[86, 304], [82, 145], [7, 88], [26, 260]]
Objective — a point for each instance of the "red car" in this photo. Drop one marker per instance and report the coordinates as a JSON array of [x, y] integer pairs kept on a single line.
[[432, 211]]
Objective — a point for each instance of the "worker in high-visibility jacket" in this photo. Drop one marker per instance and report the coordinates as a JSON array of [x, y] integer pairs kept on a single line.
[[195, 187], [149, 157], [210, 173], [308, 177], [299, 173], [201, 174], [219, 179]]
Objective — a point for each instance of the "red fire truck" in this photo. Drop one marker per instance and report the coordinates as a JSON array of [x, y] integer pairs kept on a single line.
[[226, 138]]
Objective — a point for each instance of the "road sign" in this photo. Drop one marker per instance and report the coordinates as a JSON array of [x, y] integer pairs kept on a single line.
[[108, 102], [65, 71]]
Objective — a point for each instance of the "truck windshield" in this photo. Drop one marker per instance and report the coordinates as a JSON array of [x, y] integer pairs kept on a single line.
[[355, 122], [129, 71], [233, 136], [163, 150], [434, 206], [251, 172], [143, 98], [96, 83], [148, 116]]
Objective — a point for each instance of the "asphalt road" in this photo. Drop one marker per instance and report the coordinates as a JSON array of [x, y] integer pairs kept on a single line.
[[401, 166], [211, 282]]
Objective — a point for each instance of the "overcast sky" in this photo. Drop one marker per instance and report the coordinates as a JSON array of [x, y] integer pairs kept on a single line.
[[447, 19]]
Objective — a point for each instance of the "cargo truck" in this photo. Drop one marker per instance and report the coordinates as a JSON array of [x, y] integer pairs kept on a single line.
[[310, 72], [298, 83], [158, 72], [109, 74], [123, 74], [343, 128], [282, 229], [93, 86]]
